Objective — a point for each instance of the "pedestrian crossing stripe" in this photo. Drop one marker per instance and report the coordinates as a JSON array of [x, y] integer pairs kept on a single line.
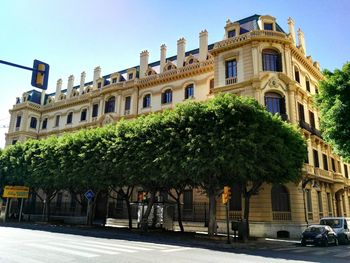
[[64, 250], [107, 245], [92, 249]]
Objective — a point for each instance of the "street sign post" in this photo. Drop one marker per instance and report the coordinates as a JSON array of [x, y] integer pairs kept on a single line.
[[21, 192], [89, 195]]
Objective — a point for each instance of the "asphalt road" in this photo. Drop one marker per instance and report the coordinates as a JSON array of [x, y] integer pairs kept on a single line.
[[51, 246]]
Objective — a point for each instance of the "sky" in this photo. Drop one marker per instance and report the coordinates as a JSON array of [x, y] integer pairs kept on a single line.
[[77, 35]]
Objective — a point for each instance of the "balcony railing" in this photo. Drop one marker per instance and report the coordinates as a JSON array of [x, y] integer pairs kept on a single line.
[[281, 216], [310, 128], [230, 81]]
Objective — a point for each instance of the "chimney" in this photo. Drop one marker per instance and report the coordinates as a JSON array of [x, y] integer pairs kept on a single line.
[[70, 85], [162, 57], [181, 46], [97, 75], [42, 98], [291, 29], [82, 82], [58, 89], [301, 40], [203, 45], [143, 63]]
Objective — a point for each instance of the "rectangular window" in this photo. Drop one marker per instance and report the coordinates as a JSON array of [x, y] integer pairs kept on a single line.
[[301, 112], [297, 76], [33, 122], [83, 115], [325, 162], [14, 142], [231, 69], [329, 203], [231, 33], [69, 118], [316, 162], [131, 75], [99, 85], [127, 103], [307, 85], [320, 205], [44, 124], [312, 119], [57, 121], [308, 201], [268, 26], [333, 164], [272, 61], [188, 199], [189, 91], [18, 121], [94, 110], [114, 80], [346, 172]]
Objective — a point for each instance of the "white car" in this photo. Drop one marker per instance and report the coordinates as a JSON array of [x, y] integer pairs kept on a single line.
[[340, 226]]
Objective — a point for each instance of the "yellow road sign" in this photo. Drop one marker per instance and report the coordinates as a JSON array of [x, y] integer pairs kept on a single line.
[[16, 191]]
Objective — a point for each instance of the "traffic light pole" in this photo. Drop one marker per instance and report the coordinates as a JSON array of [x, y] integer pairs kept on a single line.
[[228, 224], [17, 66]]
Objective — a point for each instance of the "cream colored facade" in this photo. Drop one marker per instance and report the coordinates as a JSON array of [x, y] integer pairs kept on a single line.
[[268, 64]]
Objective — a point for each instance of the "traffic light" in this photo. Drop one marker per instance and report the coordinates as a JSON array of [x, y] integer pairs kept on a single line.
[[40, 75], [226, 195]]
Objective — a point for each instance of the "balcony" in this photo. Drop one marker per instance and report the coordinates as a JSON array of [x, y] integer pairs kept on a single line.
[[281, 216], [230, 81], [310, 128]]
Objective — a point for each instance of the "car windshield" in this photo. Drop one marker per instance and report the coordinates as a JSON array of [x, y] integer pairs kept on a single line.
[[317, 230], [333, 223]]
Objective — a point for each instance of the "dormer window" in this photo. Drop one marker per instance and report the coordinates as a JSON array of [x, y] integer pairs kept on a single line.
[[114, 80], [99, 85], [231, 33], [131, 76], [268, 26]]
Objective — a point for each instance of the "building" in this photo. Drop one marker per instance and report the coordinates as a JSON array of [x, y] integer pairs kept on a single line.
[[256, 58]]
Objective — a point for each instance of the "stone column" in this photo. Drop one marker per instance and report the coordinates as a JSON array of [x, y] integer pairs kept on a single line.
[[203, 45], [291, 28], [181, 47], [162, 57], [70, 85], [301, 41], [82, 82], [144, 55], [97, 75]]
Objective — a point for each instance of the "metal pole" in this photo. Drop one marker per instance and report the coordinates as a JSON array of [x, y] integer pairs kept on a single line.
[[17, 66], [227, 225], [88, 212], [6, 208], [20, 211]]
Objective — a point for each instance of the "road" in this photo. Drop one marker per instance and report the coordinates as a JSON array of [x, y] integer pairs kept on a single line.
[[38, 246]]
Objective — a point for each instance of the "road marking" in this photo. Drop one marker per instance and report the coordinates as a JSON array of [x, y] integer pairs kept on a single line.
[[175, 249], [68, 251], [20, 259], [153, 245], [82, 247], [125, 247]]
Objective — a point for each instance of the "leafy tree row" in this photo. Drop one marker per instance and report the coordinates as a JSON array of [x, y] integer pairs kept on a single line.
[[209, 144]]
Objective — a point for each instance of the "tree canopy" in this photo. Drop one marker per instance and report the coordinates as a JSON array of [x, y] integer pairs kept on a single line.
[[333, 101]]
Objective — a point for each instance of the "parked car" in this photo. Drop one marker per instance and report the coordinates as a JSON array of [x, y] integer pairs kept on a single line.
[[340, 226], [319, 235]]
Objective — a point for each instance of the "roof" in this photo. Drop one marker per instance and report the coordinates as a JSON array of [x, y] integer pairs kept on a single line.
[[246, 24]]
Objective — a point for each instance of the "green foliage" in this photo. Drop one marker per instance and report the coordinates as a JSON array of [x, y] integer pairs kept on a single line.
[[333, 101]]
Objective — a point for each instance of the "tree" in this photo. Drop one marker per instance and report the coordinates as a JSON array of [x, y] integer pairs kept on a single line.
[[232, 139], [333, 101]]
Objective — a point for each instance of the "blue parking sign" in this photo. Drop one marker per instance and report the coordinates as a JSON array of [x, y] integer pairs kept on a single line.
[[89, 195]]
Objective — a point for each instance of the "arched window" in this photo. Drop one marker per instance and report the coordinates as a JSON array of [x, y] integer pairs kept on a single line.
[[211, 85], [189, 91], [69, 118], [275, 103], [167, 96], [236, 198], [33, 122], [146, 103], [296, 74], [271, 60], [110, 105], [280, 198]]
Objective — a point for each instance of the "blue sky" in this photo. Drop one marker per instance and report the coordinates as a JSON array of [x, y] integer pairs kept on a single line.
[[74, 36]]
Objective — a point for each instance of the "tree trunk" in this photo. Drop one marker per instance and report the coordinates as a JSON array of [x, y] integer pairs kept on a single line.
[[144, 221], [179, 215], [128, 206], [212, 227], [246, 217]]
